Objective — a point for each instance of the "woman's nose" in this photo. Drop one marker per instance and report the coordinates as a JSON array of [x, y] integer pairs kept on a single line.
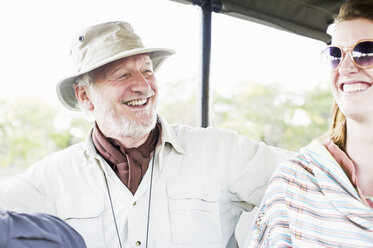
[[347, 66]]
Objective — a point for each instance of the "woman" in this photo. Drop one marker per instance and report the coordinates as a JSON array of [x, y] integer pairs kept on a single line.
[[322, 197]]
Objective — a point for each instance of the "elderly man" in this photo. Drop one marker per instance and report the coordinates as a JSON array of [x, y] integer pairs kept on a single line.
[[138, 181]]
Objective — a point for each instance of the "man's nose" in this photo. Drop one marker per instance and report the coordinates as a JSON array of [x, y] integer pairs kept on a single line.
[[140, 83]]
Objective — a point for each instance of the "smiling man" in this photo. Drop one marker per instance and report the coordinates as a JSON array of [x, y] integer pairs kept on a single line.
[[137, 181]]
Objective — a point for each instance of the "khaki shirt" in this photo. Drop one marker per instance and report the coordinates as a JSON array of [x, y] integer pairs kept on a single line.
[[202, 181]]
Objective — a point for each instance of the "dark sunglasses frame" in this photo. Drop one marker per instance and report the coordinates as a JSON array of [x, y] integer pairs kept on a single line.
[[344, 51]]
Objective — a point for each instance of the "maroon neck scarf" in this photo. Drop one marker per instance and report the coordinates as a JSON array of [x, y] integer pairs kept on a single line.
[[130, 164]]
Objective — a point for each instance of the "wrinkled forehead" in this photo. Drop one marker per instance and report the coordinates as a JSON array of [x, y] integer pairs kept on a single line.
[[134, 61]]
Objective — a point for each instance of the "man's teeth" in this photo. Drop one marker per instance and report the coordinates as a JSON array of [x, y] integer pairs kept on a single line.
[[354, 87], [136, 102]]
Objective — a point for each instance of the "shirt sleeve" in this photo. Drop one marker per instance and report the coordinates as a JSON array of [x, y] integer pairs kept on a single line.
[[27, 192], [250, 167], [19, 230]]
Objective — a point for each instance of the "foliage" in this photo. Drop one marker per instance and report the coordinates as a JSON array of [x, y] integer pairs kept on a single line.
[[263, 112], [268, 113], [178, 102], [28, 131]]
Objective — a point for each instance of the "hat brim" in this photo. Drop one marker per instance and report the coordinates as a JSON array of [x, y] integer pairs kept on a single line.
[[65, 87]]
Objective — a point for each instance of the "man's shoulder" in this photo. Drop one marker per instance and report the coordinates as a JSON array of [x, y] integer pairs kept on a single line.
[[184, 132], [47, 171], [69, 155], [212, 139], [73, 149], [180, 129]]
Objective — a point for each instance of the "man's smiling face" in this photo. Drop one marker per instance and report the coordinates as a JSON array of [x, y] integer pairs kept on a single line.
[[124, 97]]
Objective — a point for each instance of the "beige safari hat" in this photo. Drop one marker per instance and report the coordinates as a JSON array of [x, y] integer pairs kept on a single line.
[[101, 44]]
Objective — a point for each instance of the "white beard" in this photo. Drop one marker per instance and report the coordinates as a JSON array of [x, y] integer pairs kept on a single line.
[[122, 126]]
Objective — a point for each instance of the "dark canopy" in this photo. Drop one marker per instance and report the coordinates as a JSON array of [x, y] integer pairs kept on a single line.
[[304, 17]]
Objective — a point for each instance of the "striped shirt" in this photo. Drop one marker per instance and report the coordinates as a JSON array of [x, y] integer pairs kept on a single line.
[[310, 202]]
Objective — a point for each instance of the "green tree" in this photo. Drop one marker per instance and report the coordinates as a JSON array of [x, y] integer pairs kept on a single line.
[[268, 113], [28, 131], [178, 102]]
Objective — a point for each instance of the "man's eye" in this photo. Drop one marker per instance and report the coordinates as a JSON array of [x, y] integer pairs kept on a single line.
[[148, 72], [125, 75]]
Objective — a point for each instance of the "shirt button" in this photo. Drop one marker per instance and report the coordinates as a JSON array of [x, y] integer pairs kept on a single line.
[[138, 243], [134, 203]]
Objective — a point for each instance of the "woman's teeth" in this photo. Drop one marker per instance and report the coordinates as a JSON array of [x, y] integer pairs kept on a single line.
[[354, 87]]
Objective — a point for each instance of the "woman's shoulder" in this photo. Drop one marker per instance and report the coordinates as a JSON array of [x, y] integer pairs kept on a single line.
[[306, 157], [297, 164]]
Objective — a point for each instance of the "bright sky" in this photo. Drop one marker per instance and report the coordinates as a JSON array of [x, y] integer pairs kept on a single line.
[[36, 37]]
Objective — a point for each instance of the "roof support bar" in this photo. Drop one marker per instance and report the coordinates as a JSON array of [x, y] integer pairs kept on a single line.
[[204, 106]]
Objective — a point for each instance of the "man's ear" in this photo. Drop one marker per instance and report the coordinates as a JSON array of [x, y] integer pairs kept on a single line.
[[82, 94]]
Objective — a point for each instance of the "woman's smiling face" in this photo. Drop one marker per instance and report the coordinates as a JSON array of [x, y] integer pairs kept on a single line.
[[351, 85]]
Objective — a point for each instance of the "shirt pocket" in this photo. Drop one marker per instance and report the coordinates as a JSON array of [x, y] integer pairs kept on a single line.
[[194, 214], [85, 216]]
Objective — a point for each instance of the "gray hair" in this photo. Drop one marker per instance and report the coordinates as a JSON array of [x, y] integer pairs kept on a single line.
[[85, 80]]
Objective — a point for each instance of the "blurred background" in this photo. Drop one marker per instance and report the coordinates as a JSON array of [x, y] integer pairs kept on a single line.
[[265, 83]]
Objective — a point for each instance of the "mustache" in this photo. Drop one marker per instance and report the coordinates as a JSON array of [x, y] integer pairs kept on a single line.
[[137, 96]]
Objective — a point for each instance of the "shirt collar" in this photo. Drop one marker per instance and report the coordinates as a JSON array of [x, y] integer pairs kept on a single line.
[[168, 136], [347, 165], [329, 150]]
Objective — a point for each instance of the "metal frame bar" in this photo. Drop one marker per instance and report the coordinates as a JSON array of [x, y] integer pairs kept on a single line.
[[204, 106]]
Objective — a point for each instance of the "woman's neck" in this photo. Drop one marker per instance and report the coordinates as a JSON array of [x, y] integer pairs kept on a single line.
[[359, 147]]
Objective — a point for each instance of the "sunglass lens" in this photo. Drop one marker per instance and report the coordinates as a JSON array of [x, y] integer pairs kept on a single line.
[[333, 56], [363, 53]]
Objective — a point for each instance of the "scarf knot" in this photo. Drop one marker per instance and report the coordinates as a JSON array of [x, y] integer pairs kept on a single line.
[[129, 164]]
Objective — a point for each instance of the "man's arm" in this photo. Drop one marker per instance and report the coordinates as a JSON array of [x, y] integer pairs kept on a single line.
[[249, 168]]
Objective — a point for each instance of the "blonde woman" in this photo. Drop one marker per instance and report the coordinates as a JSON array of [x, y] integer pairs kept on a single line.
[[322, 197]]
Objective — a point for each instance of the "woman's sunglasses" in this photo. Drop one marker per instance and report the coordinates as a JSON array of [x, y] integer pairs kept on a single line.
[[361, 53]]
